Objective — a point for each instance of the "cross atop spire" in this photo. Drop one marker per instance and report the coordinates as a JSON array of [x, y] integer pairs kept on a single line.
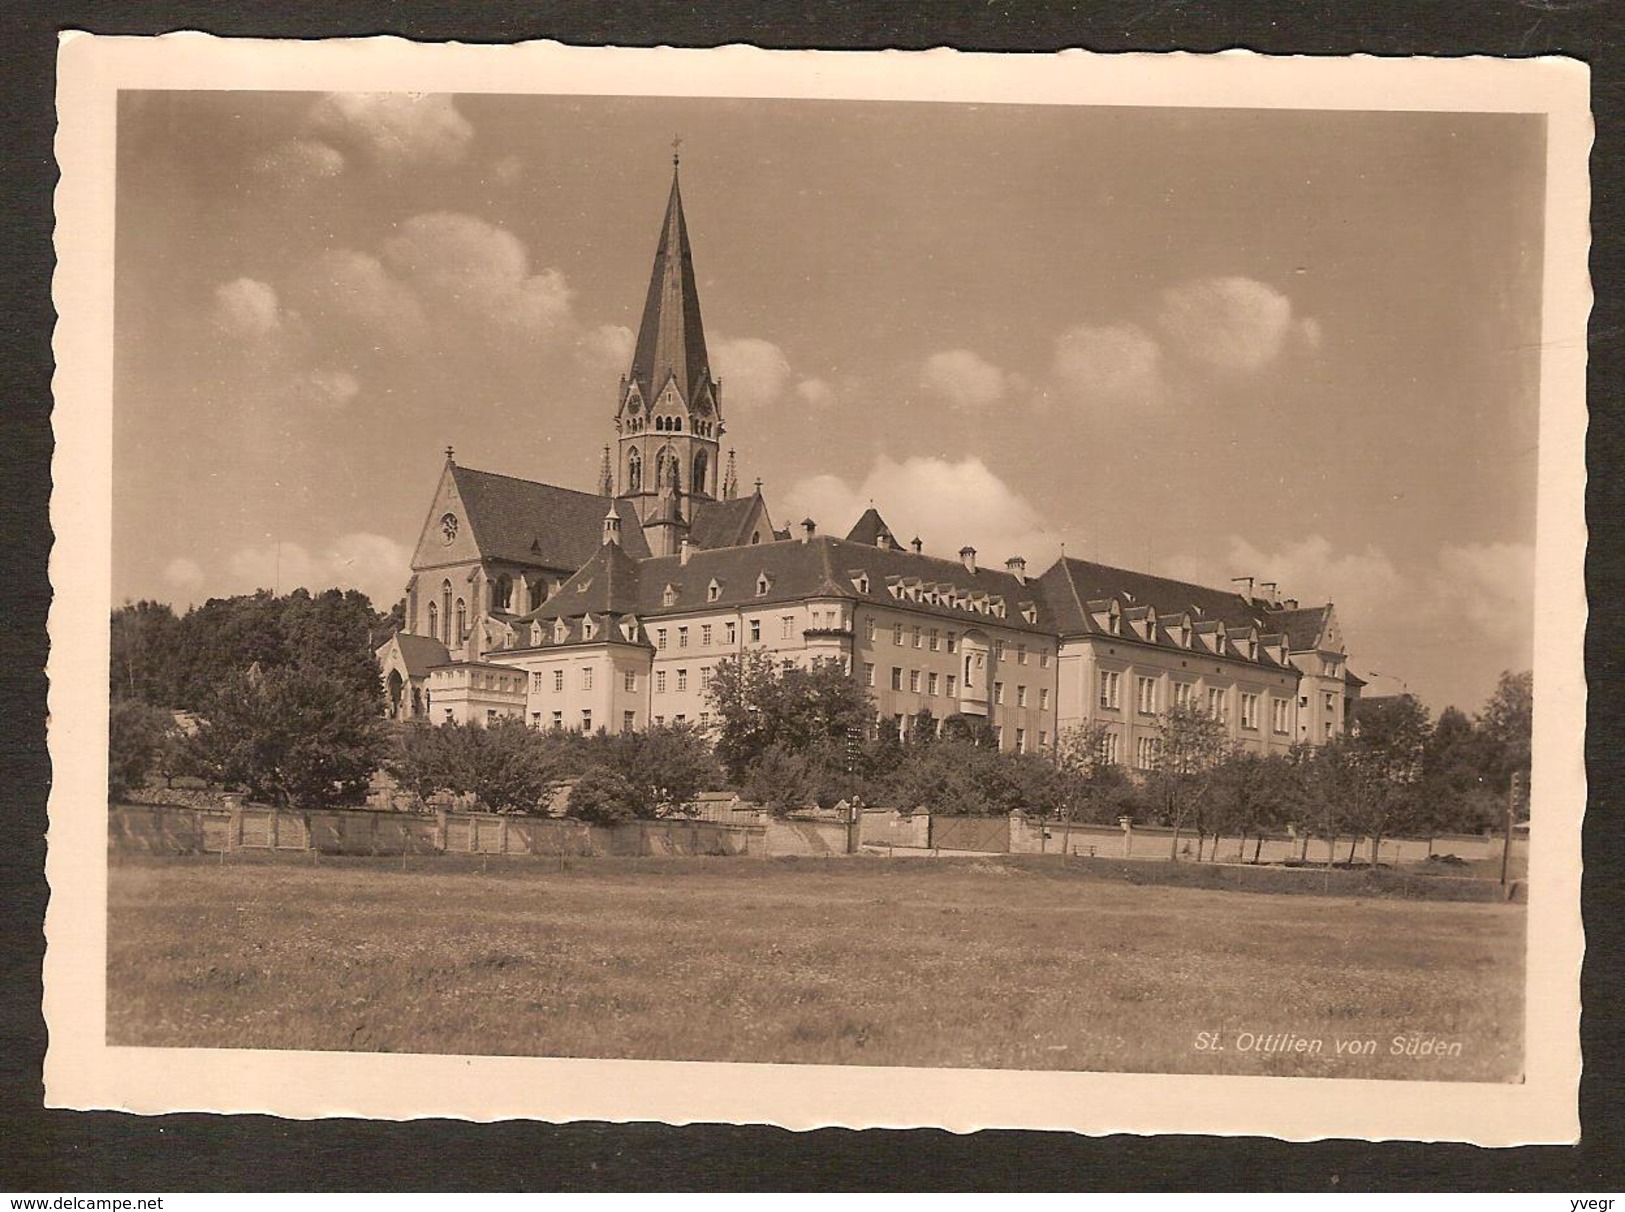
[[676, 142]]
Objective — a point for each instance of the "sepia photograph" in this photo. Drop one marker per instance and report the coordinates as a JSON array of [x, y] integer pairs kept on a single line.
[[824, 582]]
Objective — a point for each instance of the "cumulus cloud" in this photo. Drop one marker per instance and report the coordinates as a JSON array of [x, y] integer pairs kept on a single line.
[[394, 131], [964, 379], [469, 265], [183, 574], [1489, 588], [327, 388], [1114, 364], [299, 162], [816, 394], [754, 372], [372, 563], [1230, 324], [607, 349], [948, 504], [355, 287], [246, 308]]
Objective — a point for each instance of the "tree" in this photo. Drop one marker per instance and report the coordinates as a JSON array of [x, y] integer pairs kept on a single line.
[[1374, 772], [1507, 726], [505, 765], [143, 639], [137, 734], [294, 736], [760, 704], [1456, 792], [1190, 743], [1252, 793], [603, 797], [668, 765]]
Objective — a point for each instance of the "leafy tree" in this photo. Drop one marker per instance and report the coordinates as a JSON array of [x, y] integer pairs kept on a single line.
[[294, 736], [1457, 777], [144, 636], [1507, 725], [137, 734], [1190, 745], [1252, 794], [505, 765], [972, 728], [760, 704], [1373, 774], [668, 764], [603, 797], [958, 778]]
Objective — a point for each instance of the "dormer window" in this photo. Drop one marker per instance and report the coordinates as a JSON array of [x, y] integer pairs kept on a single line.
[[1029, 612], [561, 631], [1114, 618], [763, 584], [713, 591], [588, 628], [668, 595], [861, 582]]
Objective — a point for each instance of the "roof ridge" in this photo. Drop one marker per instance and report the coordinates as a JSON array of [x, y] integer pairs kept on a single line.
[[502, 475]]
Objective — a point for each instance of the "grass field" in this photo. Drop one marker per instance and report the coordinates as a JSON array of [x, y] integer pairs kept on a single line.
[[861, 961]]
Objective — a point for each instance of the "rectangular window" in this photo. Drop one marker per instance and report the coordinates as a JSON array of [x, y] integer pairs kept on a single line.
[[660, 681], [868, 673], [678, 718], [536, 680], [1331, 701], [935, 640], [660, 721], [897, 634], [558, 680], [1043, 698], [682, 679], [998, 650], [896, 678], [705, 719], [1043, 738], [1146, 693], [1112, 750], [869, 629], [756, 631], [586, 721], [1279, 715], [915, 636], [705, 634], [558, 721], [952, 686], [1182, 694], [998, 693], [914, 680], [682, 637], [786, 626], [586, 678], [1021, 654], [705, 677], [1215, 703], [1110, 689], [629, 720], [897, 723], [730, 632], [1145, 752], [953, 642], [998, 736], [1021, 740], [1043, 658], [660, 638], [1249, 711], [630, 680], [536, 719], [1021, 696], [931, 683]]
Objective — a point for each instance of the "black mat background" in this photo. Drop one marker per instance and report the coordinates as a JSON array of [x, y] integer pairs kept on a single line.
[[54, 1151]]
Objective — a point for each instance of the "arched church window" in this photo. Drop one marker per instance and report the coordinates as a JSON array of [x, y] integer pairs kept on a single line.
[[502, 599], [434, 621], [445, 612], [538, 595], [634, 471], [666, 470], [701, 467], [462, 618]]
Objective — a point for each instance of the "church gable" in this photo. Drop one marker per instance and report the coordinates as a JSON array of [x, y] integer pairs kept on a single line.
[[448, 533]]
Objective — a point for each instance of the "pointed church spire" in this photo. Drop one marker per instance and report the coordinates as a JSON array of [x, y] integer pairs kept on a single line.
[[606, 477], [671, 339], [730, 479]]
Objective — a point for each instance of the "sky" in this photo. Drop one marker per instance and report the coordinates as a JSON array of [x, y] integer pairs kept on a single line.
[[1299, 346]]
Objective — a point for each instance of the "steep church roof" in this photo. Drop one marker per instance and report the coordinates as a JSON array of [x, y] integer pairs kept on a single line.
[[869, 528], [671, 339], [723, 523], [531, 523]]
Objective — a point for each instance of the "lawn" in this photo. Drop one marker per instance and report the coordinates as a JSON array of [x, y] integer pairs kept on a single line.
[[976, 963]]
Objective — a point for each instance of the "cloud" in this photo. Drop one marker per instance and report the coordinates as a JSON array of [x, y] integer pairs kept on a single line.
[[816, 394], [948, 504], [1119, 365], [394, 131], [356, 288], [1232, 324], [247, 309], [372, 563], [754, 372], [1490, 589], [965, 380], [299, 162], [607, 349], [183, 574], [327, 388]]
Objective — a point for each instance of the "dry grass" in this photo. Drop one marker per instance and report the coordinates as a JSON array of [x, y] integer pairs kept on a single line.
[[978, 963]]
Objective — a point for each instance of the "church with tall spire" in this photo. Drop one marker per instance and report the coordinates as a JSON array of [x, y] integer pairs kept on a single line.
[[610, 608]]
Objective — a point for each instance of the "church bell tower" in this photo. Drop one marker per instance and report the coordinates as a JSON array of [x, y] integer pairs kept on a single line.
[[669, 423]]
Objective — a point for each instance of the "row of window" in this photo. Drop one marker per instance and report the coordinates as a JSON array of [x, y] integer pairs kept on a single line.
[[933, 639], [900, 724], [1146, 700]]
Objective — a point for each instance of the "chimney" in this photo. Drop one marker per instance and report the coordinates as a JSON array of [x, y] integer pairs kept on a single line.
[[1239, 580], [1291, 603], [808, 528], [1017, 567], [1270, 588], [967, 556], [917, 545], [683, 550], [612, 527]]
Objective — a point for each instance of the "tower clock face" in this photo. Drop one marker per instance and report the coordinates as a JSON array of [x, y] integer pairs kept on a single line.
[[448, 527]]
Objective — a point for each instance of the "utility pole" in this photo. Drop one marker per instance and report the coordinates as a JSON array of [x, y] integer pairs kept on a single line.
[[1512, 807]]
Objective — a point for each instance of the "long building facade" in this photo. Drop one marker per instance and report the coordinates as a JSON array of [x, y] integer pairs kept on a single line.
[[612, 609]]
